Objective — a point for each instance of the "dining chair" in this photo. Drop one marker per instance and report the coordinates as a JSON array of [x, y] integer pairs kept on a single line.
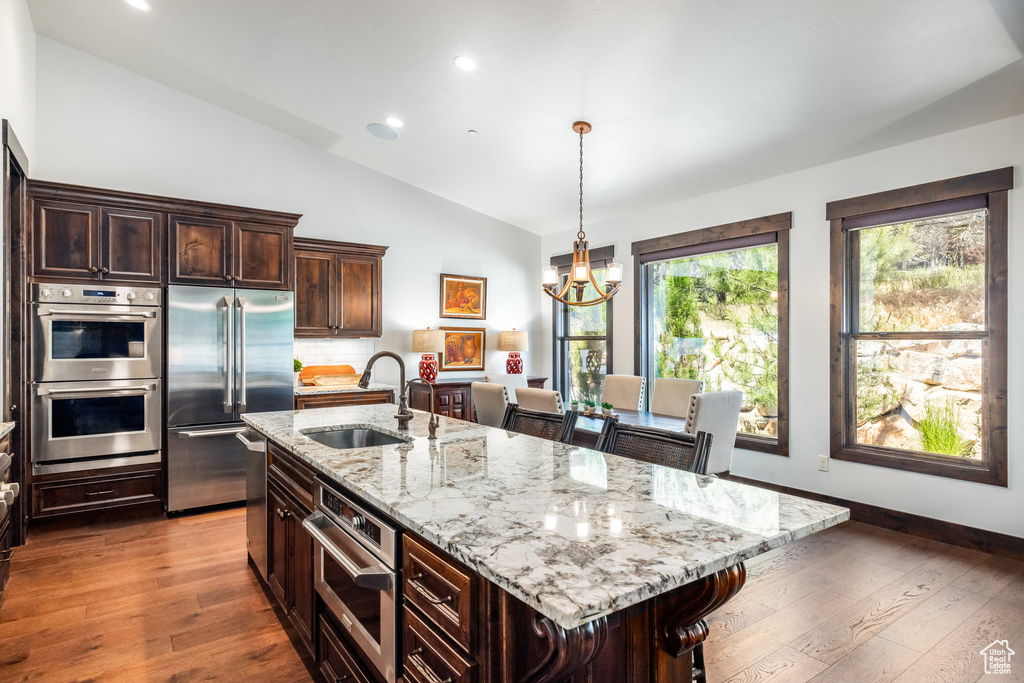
[[718, 414], [513, 382], [672, 396], [545, 400], [489, 402], [682, 451], [624, 391], [550, 426]]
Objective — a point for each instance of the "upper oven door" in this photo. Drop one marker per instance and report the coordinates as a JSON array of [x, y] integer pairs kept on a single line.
[[72, 420], [94, 342]]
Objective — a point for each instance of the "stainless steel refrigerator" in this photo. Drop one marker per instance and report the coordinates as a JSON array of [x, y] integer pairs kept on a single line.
[[229, 351]]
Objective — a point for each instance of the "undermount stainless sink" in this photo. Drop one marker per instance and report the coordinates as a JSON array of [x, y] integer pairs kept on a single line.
[[353, 438]]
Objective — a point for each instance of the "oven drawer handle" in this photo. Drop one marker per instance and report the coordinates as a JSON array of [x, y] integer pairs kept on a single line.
[[97, 390], [414, 658], [425, 592], [370, 577], [212, 432], [112, 315]]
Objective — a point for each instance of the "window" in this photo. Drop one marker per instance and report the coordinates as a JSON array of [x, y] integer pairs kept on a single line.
[[583, 335], [713, 305], [919, 328]]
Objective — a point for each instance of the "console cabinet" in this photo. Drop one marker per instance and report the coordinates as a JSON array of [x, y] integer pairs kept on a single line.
[[345, 398], [454, 397], [337, 289]]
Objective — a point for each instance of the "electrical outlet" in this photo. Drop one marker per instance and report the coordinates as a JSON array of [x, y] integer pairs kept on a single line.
[[823, 463]]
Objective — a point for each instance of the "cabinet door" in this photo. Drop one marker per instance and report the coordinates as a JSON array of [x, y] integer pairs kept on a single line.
[[200, 251], [315, 294], [277, 544], [263, 256], [131, 245], [455, 403], [301, 577], [65, 240], [359, 296]]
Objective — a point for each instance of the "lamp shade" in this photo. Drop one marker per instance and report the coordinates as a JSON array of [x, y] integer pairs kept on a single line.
[[516, 340], [427, 341]]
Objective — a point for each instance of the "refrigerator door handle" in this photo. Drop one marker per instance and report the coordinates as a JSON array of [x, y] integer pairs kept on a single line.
[[241, 353], [229, 374]]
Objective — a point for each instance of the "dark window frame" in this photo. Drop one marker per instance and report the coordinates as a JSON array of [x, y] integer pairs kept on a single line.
[[849, 214], [599, 258], [710, 240]]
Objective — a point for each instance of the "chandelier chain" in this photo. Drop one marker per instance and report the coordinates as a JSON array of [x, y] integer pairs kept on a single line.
[[581, 235]]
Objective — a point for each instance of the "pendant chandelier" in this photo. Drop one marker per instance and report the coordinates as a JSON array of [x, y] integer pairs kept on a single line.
[[581, 273]]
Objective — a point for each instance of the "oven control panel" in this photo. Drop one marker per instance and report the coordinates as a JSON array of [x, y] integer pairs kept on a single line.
[[95, 293], [357, 521]]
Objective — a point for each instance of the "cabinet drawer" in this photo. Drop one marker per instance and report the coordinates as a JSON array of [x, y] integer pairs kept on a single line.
[[353, 398], [292, 474], [429, 659], [81, 495], [443, 591], [336, 663]]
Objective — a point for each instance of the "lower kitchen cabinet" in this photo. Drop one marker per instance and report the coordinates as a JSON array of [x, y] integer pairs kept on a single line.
[[290, 555], [95, 490], [336, 661], [6, 553]]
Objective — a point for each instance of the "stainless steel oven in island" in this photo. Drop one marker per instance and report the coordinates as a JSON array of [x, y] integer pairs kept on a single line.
[[229, 352]]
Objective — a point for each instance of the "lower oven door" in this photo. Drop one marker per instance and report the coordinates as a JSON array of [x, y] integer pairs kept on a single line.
[[73, 420], [358, 590]]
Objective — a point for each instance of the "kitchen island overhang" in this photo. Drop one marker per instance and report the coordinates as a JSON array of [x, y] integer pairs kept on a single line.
[[572, 533]]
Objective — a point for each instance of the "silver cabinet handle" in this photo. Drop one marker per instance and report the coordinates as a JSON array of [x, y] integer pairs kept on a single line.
[[211, 432], [45, 313], [111, 391], [229, 383], [257, 445], [372, 578], [241, 355]]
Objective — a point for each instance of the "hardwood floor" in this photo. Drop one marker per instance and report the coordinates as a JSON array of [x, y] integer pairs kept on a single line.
[[175, 600], [145, 600], [861, 604]]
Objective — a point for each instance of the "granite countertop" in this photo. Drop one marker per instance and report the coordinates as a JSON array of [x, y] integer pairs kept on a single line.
[[574, 533], [6, 428], [345, 388]]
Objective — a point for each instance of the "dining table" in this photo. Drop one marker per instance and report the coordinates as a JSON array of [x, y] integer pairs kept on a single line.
[[588, 427]]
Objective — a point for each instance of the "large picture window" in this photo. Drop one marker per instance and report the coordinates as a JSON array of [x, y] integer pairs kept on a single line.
[[919, 328], [713, 307], [583, 335]]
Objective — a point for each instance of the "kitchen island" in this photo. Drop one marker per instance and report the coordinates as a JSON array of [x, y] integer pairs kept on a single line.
[[553, 562]]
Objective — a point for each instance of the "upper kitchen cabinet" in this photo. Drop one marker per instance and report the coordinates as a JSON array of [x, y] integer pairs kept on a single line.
[[95, 234], [337, 289]]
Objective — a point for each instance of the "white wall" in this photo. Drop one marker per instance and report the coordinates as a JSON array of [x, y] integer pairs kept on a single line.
[[103, 126], [805, 193], [18, 72]]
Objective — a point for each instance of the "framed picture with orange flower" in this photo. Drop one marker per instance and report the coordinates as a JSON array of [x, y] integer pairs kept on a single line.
[[463, 296], [464, 348]]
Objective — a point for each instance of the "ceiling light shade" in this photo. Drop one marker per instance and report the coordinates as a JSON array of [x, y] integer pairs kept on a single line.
[[427, 341], [394, 122], [580, 273], [514, 340], [379, 130], [465, 63], [139, 4]]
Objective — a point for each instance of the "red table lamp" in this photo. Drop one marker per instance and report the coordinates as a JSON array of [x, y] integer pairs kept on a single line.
[[514, 342], [428, 342]]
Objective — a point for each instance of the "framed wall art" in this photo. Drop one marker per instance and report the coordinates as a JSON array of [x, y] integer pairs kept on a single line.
[[464, 348], [463, 296]]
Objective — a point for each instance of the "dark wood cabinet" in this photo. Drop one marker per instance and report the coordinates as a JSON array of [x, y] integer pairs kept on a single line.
[[289, 546], [454, 397], [6, 527], [131, 245], [96, 234], [348, 398], [336, 662], [337, 289], [56, 495]]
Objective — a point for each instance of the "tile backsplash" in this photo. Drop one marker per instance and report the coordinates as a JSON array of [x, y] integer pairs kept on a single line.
[[354, 352]]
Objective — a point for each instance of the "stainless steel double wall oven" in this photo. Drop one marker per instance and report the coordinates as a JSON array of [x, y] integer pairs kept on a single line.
[[96, 358]]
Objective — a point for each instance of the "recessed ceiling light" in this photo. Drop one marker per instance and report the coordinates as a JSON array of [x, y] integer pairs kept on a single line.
[[394, 122], [472, 133], [465, 63], [381, 131], [139, 4]]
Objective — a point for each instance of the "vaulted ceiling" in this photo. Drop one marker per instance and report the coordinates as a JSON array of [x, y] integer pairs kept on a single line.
[[685, 96]]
